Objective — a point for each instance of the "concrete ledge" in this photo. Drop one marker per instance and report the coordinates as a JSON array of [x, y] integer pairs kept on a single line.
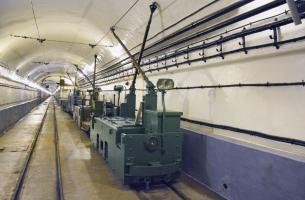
[[10, 114], [239, 172]]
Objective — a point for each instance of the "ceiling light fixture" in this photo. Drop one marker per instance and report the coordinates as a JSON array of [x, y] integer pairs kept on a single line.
[[14, 77]]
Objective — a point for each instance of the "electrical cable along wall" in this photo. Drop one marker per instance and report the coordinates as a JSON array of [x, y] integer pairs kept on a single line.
[[235, 129], [265, 28], [193, 25], [157, 60]]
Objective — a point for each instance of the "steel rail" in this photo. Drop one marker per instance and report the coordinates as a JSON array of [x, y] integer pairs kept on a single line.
[[177, 192], [139, 192], [59, 185], [21, 177]]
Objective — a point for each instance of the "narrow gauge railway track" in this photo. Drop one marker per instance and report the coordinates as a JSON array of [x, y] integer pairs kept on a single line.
[[25, 168], [59, 185], [177, 192], [164, 191]]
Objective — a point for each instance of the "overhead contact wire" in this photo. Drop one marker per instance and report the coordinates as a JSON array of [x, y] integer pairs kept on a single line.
[[35, 19], [207, 45], [117, 22], [59, 182], [205, 20], [169, 27]]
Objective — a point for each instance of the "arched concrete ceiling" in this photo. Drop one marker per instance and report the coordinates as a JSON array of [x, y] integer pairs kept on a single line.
[[77, 21], [41, 70], [55, 79]]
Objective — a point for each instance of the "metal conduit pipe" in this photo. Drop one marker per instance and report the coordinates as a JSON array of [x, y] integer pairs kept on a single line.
[[226, 39], [216, 27], [228, 22], [217, 42], [202, 21], [246, 131], [232, 85], [193, 25], [169, 27], [209, 57], [233, 20], [180, 52]]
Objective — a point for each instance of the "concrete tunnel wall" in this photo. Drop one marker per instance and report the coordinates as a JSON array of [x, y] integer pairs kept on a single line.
[[236, 170], [13, 92], [11, 114], [249, 173], [15, 102]]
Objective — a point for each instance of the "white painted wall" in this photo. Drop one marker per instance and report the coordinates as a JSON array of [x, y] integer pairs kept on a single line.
[[277, 111], [12, 95]]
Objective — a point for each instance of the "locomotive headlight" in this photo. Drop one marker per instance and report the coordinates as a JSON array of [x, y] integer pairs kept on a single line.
[[165, 84], [151, 144]]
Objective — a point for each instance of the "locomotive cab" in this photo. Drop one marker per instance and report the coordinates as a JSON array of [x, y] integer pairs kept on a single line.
[[147, 151]]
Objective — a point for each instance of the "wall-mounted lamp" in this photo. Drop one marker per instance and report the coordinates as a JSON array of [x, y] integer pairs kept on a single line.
[[294, 12]]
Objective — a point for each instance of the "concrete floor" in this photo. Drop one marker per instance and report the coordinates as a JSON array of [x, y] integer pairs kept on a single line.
[[14, 145], [85, 174], [40, 181]]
